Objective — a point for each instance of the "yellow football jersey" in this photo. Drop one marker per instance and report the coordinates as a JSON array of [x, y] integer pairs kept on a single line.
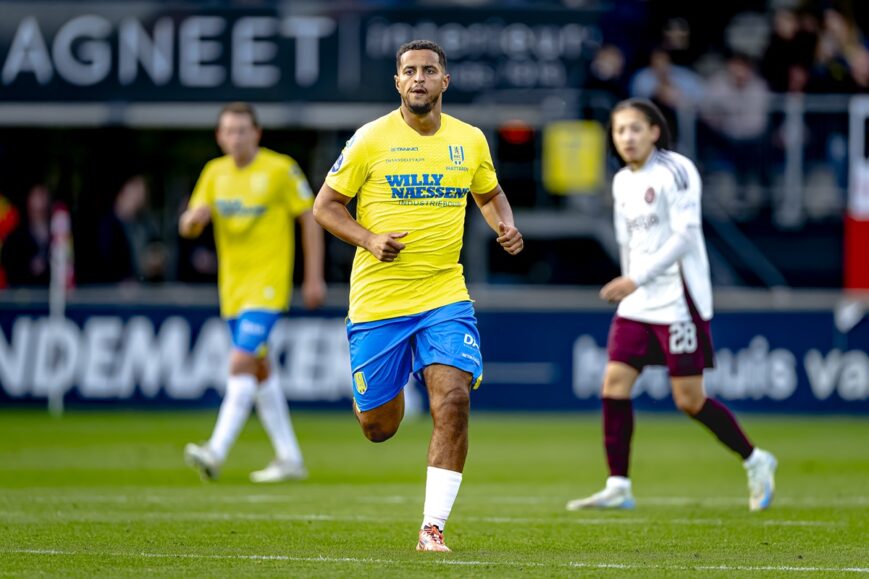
[[253, 210], [405, 181]]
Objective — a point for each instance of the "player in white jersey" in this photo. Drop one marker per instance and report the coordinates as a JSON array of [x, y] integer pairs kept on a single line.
[[665, 302]]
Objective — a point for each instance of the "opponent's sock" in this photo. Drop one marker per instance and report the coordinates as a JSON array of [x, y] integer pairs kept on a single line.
[[271, 406], [716, 417], [618, 428], [441, 488], [234, 410]]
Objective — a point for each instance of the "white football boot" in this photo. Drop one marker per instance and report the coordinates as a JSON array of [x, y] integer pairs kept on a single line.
[[279, 471], [760, 467], [616, 495], [202, 459]]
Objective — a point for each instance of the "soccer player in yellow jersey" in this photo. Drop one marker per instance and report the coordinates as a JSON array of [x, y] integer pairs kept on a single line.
[[253, 196], [412, 172]]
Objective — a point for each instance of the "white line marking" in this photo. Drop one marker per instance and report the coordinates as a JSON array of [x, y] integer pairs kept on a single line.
[[559, 519], [325, 559], [187, 498]]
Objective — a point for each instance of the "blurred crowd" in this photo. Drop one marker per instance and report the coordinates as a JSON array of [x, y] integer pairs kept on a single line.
[[733, 79], [730, 80]]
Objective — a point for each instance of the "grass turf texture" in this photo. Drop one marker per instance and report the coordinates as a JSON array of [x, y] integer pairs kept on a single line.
[[107, 494]]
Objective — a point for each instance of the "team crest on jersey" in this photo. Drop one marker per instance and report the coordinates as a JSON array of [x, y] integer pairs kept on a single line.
[[650, 196], [259, 182], [457, 154], [359, 380]]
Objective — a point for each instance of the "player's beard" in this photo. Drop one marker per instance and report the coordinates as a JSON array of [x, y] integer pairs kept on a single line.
[[421, 108]]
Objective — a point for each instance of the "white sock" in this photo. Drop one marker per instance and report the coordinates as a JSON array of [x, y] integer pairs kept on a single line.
[[234, 410], [618, 482], [752, 458], [441, 488], [271, 406]]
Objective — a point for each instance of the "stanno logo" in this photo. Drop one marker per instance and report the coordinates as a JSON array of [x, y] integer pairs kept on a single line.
[[457, 154]]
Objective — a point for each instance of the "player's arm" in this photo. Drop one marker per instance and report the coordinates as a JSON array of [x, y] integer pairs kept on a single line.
[[498, 214], [684, 214], [330, 211], [193, 221], [313, 283]]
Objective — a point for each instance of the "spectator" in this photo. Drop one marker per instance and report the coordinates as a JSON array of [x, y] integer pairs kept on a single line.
[[735, 112], [606, 73], [8, 222], [789, 54], [26, 253], [128, 246], [670, 86], [839, 45], [197, 258]]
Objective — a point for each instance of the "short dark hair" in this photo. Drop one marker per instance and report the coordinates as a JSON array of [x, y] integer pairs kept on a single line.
[[239, 108], [421, 45], [652, 113]]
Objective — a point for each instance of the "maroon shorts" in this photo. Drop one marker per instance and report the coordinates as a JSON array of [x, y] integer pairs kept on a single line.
[[685, 348]]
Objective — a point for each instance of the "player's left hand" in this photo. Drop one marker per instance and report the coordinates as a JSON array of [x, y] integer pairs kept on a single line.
[[313, 293], [618, 289], [510, 238]]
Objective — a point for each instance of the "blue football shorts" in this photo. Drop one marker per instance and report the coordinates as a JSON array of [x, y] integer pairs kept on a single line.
[[250, 330], [384, 352]]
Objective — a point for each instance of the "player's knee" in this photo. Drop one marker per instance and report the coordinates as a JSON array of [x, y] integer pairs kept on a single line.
[[376, 432], [243, 363], [690, 405], [616, 389], [456, 401]]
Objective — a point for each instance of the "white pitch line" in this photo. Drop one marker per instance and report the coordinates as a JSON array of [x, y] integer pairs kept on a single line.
[[855, 501], [192, 516], [458, 562]]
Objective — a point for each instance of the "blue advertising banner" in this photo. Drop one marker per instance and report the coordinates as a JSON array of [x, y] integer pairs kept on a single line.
[[149, 355]]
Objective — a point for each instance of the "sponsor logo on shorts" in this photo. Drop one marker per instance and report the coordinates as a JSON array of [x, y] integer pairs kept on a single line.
[[471, 341], [359, 381], [249, 327]]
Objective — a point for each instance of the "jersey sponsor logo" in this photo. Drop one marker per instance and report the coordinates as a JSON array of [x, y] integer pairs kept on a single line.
[[642, 222], [235, 208], [649, 196], [360, 383], [423, 186], [338, 162]]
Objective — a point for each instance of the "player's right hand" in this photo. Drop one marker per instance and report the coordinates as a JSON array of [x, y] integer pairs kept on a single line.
[[194, 220], [385, 246]]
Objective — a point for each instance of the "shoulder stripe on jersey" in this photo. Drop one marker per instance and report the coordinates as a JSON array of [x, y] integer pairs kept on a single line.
[[680, 175]]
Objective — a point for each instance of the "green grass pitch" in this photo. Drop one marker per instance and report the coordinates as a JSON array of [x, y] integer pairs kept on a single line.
[[106, 494]]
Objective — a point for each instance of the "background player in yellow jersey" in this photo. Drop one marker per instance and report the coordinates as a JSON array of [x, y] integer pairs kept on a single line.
[[253, 196], [412, 171]]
